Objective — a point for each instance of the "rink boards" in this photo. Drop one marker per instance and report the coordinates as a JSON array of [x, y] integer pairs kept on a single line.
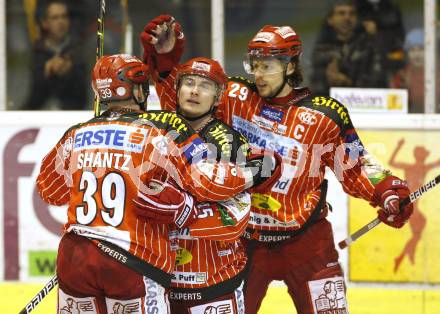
[[30, 229]]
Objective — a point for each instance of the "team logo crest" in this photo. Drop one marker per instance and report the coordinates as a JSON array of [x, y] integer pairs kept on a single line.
[[308, 118]]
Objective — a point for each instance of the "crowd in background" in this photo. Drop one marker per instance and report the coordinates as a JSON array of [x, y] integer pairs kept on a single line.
[[360, 43]]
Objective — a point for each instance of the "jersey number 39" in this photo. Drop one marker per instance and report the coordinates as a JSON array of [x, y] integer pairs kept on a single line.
[[112, 192]]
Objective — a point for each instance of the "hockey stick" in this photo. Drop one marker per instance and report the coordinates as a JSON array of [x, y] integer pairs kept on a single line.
[[411, 198], [97, 110], [37, 299], [99, 49]]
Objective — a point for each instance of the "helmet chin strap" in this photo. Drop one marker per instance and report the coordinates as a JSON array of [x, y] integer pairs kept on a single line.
[[141, 104], [209, 112]]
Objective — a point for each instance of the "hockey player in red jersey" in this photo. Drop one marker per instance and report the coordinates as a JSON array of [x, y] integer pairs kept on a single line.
[[289, 224], [211, 260], [109, 259]]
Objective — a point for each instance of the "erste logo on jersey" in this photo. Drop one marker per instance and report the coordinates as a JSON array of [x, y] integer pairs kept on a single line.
[[120, 137]]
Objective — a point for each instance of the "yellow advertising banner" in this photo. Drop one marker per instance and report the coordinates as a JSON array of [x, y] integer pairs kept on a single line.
[[410, 254]]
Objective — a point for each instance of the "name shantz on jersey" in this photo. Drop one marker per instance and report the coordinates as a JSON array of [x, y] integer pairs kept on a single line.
[[104, 160]]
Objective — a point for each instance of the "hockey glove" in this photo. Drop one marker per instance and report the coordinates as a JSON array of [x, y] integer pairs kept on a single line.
[[163, 43], [388, 194], [266, 171], [167, 204]]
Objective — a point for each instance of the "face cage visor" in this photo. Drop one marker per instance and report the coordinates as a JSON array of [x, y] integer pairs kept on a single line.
[[265, 65]]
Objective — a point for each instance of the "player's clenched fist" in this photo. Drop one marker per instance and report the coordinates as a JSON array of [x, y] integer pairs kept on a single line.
[[161, 32], [388, 194], [166, 204], [163, 42]]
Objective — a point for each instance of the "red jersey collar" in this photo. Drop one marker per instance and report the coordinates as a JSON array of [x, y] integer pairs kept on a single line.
[[295, 95]]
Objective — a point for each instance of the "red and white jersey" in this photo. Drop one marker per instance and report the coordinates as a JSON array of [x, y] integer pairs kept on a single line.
[[209, 250], [98, 167], [310, 133]]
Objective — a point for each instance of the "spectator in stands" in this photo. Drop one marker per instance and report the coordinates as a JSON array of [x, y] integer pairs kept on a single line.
[[344, 53], [412, 76], [383, 19], [58, 70]]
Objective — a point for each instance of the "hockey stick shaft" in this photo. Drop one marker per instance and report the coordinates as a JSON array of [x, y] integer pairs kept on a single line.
[[411, 198], [40, 295], [99, 49]]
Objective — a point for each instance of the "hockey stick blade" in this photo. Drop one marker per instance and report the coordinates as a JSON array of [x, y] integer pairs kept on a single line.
[[40, 295], [411, 198]]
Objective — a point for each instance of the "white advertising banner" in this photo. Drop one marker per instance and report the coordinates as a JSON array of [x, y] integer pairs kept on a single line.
[[31, 228], [372, 100]]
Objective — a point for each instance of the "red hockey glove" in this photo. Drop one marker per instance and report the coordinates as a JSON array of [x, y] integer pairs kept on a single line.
[[263, 183], [388, 194], [163, 43], [168, 205]]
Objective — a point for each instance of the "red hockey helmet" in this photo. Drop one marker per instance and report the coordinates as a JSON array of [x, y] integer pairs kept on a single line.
[[275, 41], [113, 77], [205, 67]]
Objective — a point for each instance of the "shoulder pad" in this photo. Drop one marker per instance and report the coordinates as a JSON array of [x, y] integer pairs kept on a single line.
[[109, 116], [331, 108], [244, 81], [228, 141], [73, 127], [76, 126], [166, 120]]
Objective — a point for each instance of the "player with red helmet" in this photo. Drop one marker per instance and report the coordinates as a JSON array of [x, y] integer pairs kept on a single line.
[[109, 258], [211, 259], [311, 133], [121, 77]]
